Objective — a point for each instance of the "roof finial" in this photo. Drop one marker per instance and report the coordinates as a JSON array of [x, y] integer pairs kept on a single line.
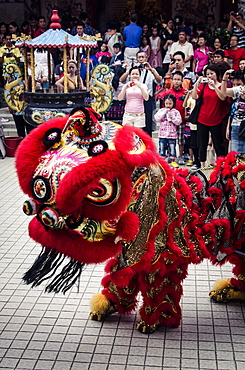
[[55, 20]]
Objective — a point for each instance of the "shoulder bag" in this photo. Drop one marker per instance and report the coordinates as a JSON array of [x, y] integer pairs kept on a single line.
[[193, 117]]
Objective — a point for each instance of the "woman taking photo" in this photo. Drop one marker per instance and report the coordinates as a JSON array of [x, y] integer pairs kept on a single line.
[[213, 109], [135, 93]]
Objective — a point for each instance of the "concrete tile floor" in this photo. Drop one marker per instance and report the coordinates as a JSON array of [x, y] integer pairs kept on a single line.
[[46, 331]]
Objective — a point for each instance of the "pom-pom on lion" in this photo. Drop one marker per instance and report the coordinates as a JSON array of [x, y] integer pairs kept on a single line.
[[100, 192]]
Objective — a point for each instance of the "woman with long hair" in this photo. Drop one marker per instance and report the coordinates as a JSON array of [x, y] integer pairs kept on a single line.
[[14, 29], [72, 78]]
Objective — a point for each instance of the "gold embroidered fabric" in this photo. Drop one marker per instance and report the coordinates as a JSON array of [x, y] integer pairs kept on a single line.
[[146, 207]]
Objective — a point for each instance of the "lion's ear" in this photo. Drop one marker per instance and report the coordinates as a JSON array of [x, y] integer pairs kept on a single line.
[[137, 148]]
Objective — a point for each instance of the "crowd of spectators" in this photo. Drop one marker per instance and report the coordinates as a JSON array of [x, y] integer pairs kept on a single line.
[[172, 62]]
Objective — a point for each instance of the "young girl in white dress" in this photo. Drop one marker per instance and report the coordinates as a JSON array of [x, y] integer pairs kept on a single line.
[[156, 55]]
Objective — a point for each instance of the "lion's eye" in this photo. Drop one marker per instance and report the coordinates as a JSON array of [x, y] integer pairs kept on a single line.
[[41, 189], [106, 193], [97, 148]]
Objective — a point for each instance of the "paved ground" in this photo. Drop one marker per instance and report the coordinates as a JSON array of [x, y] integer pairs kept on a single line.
[[46, 331]]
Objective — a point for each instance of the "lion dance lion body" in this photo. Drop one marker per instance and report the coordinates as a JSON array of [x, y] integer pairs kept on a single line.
[[100, 192]]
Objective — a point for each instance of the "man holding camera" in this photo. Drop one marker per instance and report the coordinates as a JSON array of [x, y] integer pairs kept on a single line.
[[237, 28], [148, 76], [9, 53], [178, 64]]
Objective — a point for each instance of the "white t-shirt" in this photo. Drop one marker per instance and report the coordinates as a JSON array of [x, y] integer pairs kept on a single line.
[[186, 48]]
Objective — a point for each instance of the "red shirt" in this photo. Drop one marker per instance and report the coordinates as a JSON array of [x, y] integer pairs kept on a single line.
[[236, 56], [38, 32], [180, 96], [213, 109]]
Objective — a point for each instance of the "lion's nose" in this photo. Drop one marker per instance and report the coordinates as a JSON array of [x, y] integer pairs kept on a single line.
[[49, 217], [30, 207]]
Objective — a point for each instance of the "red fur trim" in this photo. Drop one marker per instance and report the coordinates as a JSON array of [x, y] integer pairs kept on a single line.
[[112, 263], [124, 144], [128, 226], [171, 322], [239, 284], [120, 309], [225, 224], [121, 278], [229, 162], [239, 168], [30, 150], [73, 245], [215, 173], [237, 243], [162, 306], [237, 261], [216, 193]]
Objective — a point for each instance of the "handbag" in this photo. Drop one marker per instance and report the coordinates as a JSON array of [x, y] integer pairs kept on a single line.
[[193, 117], [241, 131]]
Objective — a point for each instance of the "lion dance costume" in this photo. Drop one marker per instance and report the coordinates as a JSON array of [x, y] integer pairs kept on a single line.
[[100, 192]]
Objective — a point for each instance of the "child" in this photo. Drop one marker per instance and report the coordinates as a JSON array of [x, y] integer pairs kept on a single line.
[[118, 55], [103, 52], [189, 104], [169, 119], [145, 45], [179, 92], [156, 55]]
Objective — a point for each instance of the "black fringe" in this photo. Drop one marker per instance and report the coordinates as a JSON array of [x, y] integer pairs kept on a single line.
[[66, 278], [45, 268]]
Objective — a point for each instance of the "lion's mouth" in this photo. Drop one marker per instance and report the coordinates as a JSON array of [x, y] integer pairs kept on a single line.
[[90, 229]]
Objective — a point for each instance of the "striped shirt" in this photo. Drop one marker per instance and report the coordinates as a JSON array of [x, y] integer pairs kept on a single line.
[[241, 34]]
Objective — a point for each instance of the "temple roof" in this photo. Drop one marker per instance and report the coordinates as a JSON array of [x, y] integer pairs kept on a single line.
[[58, 38]]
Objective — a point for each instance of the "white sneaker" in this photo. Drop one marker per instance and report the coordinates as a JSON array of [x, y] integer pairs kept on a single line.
[[194, 167], [2, 120], [181, 160]]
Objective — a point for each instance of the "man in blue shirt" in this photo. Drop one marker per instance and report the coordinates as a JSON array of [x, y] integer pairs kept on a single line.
[[132, 36]]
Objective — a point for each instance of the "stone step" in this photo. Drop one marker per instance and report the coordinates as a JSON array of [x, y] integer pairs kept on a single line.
[[9, 127], [10, 132]]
